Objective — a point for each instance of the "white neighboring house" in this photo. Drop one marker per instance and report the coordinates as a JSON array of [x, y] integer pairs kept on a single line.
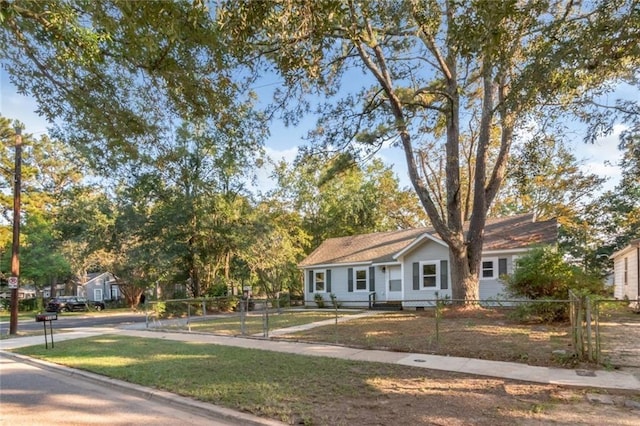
[[411, 267], [99, 287], [626, 272]]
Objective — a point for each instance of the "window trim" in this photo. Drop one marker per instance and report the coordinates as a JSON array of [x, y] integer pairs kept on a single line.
[[495, 266], [626, 271], [324, 281], [98, 294], [435, 263], [355, 279]]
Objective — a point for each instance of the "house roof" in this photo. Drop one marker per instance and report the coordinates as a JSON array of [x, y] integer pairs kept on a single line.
[[508, 233], [632, 245]]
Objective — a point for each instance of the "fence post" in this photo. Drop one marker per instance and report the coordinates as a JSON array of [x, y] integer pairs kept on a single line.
[[189, 316], [242, 315], [587, 300], [265, 318], [596, 309]]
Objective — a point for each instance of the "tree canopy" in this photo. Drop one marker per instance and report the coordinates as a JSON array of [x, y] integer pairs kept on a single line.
[[430, 68]]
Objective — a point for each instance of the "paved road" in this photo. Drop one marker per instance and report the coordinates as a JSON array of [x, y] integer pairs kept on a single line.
[[104, 319], [33, 396]]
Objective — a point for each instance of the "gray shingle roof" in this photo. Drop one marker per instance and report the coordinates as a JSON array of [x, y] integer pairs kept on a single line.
[[507, 233]]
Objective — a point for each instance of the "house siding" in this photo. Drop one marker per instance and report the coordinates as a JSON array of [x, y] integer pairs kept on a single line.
[[340, 285], [494, 288], [629, 288], [429, 251]]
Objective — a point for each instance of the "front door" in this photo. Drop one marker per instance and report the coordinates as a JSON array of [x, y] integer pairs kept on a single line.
[[394, 284]]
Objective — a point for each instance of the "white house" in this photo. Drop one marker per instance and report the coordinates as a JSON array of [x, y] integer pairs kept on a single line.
[[411, 266], [626, 270]]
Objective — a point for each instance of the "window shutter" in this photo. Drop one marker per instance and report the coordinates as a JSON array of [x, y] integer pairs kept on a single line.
[[502, 266], [416, 276], [350, 279], [372, 278], [310, 281], [444, 274], [328, 283]]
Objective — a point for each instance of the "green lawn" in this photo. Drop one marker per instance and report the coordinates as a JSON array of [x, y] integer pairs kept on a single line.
[[254, 322], [269, 384]]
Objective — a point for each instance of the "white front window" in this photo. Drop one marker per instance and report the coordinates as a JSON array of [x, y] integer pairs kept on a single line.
[[97, 294], [488, 269], [492, 268], [319, 281], [430, 277], [360, 278]]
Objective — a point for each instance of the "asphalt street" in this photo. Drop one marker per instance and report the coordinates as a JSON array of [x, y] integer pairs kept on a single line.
[[65, 320], [33, 396]]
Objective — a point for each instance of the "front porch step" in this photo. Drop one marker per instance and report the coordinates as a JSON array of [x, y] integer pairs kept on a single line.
[[387, 306]]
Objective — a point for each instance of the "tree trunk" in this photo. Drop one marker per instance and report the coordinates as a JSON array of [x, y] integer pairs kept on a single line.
[[464, 280]]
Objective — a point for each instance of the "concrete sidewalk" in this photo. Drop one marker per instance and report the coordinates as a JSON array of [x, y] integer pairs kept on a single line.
[[507, 370]]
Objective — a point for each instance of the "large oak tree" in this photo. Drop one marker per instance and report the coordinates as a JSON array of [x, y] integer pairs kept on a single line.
[[417, 72]]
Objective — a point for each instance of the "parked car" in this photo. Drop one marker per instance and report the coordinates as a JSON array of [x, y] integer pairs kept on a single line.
[[72, 303]]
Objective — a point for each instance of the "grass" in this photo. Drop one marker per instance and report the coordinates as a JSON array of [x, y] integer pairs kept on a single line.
[[486, 334], [261, 382], [254, 322], [312, 390], [316, 390]]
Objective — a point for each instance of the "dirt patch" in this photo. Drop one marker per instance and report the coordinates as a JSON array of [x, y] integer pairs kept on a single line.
[[436, 398], [440, 398], [489, 334], [620, 340]]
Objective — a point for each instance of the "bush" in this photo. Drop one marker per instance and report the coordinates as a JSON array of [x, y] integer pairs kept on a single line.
[[33, 304], [319, 300], [543, 274], [226, 304]]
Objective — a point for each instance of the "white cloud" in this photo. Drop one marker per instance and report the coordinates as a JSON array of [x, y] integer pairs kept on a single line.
[[602, 157]]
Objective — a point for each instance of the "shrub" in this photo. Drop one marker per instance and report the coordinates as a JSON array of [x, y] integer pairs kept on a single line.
[[543, 274], [33, 304], [319, 300], [226, 304]]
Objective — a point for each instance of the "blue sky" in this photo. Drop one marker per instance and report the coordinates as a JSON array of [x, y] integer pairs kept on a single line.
[[599, 158]]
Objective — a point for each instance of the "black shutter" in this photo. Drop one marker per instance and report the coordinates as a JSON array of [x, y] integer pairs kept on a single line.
[[416, 276], [310, 281], [444, 274], [372, 278], [502, 266], [350, 280], [328, 287]]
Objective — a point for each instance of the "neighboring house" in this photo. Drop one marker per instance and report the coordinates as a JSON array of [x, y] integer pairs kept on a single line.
[[99, 287], [24, 292], [626, 272], [412, 266]]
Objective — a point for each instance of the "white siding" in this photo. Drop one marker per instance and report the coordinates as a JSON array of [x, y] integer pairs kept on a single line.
[[493, 288], [429, 251], [340, 285], [630, 287]]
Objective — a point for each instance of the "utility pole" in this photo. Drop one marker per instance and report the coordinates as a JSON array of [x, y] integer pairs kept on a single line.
[[15, 248]]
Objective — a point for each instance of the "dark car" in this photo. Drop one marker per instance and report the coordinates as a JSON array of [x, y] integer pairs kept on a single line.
[[72, 303]]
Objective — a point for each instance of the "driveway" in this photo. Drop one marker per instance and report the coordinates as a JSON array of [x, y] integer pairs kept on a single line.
[[620, 342]]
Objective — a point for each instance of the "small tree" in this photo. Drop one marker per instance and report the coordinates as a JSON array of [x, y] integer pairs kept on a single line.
[[544, 275]]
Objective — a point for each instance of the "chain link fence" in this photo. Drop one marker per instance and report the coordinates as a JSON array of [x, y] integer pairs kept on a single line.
[[548, 332]]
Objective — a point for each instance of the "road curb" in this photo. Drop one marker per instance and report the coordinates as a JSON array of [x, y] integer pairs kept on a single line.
[[185, 403]]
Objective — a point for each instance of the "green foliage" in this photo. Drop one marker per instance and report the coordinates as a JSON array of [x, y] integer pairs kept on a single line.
[[160, 308], [543, 275], [226, 303], [219, 289], [424, 72], [28, 305], [319, 300]]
